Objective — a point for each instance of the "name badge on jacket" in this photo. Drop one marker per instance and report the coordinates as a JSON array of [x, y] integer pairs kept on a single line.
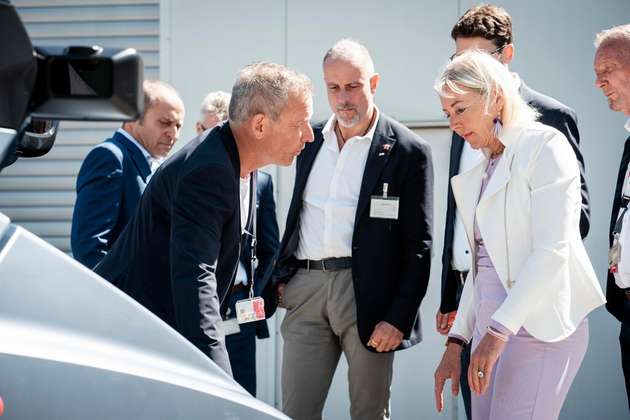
[[384, 207]]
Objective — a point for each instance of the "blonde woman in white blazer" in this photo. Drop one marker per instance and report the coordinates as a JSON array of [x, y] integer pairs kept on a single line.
[[525, 302]]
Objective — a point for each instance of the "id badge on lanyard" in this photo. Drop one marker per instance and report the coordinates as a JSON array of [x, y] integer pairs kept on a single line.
[[253, 308]]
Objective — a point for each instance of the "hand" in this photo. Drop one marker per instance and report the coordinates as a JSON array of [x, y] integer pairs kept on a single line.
[[449, 368], [385, 337], [444, 322], [483, 360], [280, 292]]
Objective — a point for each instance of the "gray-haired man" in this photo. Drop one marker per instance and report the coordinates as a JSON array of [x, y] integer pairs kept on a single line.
[[214, 110], [612, 68], [354, 261], [179, 253]]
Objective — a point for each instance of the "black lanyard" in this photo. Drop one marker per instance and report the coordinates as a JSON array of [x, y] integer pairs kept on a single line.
[[253, 184]]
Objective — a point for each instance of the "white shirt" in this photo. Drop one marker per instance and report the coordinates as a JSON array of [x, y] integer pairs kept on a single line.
[[461, 257], [622, 276], [153, 163], [331, 195], [244, 201], [244, 193], [241, 275]]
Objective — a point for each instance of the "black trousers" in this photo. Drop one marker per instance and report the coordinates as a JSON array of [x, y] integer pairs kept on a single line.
[[241, 349], [464, 388], [624, 342]]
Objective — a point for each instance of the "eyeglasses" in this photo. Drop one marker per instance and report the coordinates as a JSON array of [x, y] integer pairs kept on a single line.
[[496, 51]]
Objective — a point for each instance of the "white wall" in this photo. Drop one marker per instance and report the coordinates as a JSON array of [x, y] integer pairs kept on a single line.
[[204, 44]]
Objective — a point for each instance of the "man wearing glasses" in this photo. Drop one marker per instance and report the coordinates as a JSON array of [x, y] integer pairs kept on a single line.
[[489, 28]]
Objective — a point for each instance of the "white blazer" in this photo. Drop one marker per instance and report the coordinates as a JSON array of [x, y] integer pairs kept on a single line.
[[529, 219]]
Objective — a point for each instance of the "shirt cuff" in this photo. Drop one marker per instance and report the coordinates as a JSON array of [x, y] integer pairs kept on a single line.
[[500, 328]]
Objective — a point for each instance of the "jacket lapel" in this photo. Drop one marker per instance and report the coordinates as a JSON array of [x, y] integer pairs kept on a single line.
[[499, 179], [303, 168], [378, 156], [137, 158], [466, 187]]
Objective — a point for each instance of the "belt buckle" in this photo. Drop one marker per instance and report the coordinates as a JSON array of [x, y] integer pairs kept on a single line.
[[324, 265], [308, 265]]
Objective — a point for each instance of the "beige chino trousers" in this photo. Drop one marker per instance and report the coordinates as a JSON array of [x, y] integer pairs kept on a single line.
[[319, 325]]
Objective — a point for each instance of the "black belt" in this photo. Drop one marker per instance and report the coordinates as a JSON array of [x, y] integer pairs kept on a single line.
[[461, 275], [328, 264]]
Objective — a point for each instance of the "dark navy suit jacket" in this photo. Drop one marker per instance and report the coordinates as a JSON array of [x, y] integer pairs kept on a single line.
[[391, 259], [552, 113], [111, 180], [179, 253]]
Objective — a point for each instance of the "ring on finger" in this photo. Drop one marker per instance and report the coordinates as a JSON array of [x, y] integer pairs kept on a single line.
[[480, 374]]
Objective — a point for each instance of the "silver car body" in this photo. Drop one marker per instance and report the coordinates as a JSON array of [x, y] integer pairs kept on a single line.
[[72, 346]]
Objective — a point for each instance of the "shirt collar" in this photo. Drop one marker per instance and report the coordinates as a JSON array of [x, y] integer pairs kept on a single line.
[[330, 135], [144, 151], [627, 125]]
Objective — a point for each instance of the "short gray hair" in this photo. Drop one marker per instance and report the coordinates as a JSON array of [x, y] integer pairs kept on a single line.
[[265, 88], [616, 33], [350, 50], [216, 103], [617, 37], [476, 71]]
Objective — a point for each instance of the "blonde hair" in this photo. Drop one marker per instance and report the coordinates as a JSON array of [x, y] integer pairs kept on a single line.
[[476, 71]]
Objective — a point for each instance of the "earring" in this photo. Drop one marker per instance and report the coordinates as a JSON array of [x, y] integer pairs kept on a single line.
[[498, 127]]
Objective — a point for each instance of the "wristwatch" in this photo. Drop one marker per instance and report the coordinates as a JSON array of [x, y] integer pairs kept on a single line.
[[455, 340]]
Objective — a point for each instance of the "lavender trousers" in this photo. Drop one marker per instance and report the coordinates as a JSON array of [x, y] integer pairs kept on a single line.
[[531, 378]]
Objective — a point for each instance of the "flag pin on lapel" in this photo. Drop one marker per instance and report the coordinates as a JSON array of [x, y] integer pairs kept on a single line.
[[386, 148]]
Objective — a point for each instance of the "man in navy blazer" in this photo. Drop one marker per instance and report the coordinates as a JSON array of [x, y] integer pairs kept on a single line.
[[355, 257], [240, 340], [179, 253], [115, 173], [489, 28]]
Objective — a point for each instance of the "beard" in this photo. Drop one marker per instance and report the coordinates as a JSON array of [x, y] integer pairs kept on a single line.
[[344, 122]]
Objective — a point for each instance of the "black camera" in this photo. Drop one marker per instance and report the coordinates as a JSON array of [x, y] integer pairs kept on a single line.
[[43, 85]]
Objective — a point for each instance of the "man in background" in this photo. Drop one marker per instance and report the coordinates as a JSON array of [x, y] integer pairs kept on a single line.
[[214, 110], [115, 173], [612, 70]]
